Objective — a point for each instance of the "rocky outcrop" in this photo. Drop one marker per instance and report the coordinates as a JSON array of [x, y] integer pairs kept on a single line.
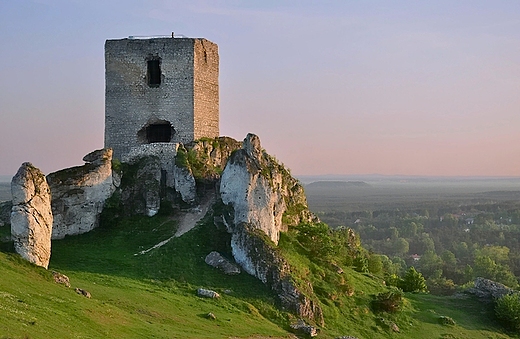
[[141, 187], [261, 191], [166, 153], [79, 194], [488, 289], [210, 156], [258, 256], [302, 328], [184, 181], [216, 260], [31, 215], [261, 195]]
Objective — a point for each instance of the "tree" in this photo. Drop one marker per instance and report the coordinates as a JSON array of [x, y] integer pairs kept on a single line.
[[375, 264], [400, 247], [507, 310], [413, 281], [431, 264], [499, 254], [316, 238]]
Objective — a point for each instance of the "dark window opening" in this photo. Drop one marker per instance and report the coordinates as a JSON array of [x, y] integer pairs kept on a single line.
[[154, 72], [159, 133]]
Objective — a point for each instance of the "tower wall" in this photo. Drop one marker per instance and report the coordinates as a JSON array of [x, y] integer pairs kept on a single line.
[[179, 87]]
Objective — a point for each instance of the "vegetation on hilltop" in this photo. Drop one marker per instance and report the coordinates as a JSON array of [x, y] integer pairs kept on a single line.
[[139, 290], [153, 294]]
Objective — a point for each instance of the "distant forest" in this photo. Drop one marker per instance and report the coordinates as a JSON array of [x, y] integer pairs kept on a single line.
[[451, 233]]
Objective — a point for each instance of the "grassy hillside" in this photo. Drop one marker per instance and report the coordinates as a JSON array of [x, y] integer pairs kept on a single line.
[[153, 295]]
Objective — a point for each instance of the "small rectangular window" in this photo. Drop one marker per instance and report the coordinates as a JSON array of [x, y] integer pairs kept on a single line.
[[154, 73]]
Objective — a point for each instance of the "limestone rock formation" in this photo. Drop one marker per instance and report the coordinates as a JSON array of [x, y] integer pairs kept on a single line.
[[211, 156], [79, 194], [202, 292], [305, 329], [31, 215], [216, 260], [258, 188], [166, 153], [259, 257], [262, 195], [141, 187], [184, 181], [488, 289], [60, 278]]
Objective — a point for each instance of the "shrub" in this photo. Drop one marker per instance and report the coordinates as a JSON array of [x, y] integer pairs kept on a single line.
[[507, 310], [390, 301], [361, 263], [413, 281]]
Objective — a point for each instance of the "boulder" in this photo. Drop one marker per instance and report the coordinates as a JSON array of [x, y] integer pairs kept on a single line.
[[305, 329], [201, 292], [61, 278], [79, 194], [216, 260], [83, 292], [31, 215]]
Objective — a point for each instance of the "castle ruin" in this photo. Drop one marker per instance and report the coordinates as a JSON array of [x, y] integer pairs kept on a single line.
[[160, 90]]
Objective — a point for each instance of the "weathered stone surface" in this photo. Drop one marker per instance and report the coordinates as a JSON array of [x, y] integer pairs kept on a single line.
[[258, 187], [201, 292], [184, 182], [31, 216], [83, 292], [141, 193], [305, 329], [216, 260], [61, 278], [259, 191], [489, 289], [79, 194], [186, 99], [213, 154], [164, 151], [258, 256], [251, 194]]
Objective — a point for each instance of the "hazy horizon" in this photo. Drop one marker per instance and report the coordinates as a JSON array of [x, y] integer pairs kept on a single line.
[[405, 89]]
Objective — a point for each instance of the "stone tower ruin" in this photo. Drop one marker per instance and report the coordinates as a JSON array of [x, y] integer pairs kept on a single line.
[[160, 90]]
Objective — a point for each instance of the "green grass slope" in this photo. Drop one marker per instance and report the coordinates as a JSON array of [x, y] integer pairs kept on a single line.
[[153, 295]]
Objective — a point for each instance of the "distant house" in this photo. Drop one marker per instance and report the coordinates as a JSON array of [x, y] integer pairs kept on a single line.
[[416, 257], [469, 221]]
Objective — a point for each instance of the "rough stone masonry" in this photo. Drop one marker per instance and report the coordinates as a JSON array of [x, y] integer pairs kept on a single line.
[[160, 90]]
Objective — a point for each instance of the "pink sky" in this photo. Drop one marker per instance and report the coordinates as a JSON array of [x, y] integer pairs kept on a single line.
[[344, 87]]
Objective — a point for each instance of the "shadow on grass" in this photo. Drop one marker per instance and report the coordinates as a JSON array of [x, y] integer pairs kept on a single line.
[[467, 311], [115, 250]]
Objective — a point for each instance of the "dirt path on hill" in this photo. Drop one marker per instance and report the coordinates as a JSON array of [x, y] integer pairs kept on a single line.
[[187, 220]]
